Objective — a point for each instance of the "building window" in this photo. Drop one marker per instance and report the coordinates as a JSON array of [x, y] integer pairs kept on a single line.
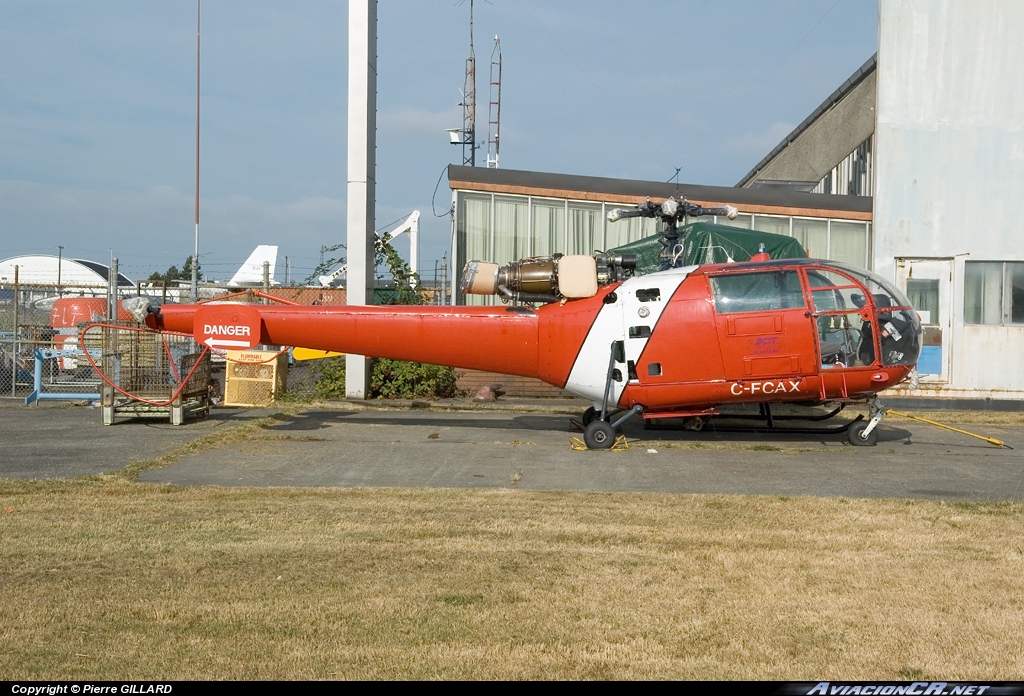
[[586, 228], [742, 220], [994, 292], [775, 225], [511, 229], [548, 227], [475, 225], [924, 297], [848, 242], [813, 236]]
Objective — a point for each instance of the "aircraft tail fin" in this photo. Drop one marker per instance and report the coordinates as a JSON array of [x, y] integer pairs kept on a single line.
[[250, 273]]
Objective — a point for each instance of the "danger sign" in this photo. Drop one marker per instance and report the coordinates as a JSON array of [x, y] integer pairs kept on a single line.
[[226, 326]]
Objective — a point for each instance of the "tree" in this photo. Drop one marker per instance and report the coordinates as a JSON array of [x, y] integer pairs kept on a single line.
[[186, 270], [173, 274], [384, 255]]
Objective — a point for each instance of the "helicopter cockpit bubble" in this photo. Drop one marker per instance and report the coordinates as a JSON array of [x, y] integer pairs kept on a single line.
[[899, 328]]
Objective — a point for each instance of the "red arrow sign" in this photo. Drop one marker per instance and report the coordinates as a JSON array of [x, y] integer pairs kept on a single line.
[[227, 326]]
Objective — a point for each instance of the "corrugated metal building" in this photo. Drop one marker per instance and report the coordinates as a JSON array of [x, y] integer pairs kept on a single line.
[[949, 176]]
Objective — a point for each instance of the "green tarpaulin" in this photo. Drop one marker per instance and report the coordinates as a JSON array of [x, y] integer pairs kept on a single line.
[[707, 242]]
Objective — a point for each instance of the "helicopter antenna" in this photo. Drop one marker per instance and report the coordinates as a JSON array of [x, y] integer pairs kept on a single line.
[[675, 177]]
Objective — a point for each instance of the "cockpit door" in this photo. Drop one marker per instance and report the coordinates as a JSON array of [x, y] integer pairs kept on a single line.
[[928, 284], [843, 320], [764, 325]]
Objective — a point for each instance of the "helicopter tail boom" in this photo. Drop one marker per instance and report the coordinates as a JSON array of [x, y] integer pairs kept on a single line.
[[476, 338]]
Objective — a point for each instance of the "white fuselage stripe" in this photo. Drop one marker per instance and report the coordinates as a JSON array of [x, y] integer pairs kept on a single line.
[[589, 372]]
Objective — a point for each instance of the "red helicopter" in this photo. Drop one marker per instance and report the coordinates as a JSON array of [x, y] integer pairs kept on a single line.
[[677, 343]]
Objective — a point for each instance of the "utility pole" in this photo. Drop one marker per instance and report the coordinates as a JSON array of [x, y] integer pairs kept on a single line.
[[444, 278], [362, 161], [195, 255]]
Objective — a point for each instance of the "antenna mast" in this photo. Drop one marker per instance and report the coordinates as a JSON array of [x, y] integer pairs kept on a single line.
[[494, 108], [469, 102]]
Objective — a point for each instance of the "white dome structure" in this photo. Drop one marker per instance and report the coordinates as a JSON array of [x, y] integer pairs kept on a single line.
[[39, 269]]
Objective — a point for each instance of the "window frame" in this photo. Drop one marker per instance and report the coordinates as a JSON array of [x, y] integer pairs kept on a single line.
[[1005, 294]]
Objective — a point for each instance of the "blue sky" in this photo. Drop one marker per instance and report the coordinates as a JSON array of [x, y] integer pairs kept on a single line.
[[97, 102]]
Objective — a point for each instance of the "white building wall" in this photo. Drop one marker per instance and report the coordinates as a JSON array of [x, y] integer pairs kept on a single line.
[[950, 163]]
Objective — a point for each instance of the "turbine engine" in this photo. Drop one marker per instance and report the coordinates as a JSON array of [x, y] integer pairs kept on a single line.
[[546, 278]]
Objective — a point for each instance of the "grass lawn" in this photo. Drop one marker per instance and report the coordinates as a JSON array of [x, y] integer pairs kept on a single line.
[[105, 578]]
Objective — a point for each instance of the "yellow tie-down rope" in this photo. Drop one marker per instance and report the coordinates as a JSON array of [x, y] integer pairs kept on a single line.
[[991, 440], [579, 445]]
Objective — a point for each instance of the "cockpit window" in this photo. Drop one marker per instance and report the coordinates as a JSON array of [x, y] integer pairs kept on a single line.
[[877, 285], [840, 300], [845, 338], [757, 292], [900, 333], [833, 292]]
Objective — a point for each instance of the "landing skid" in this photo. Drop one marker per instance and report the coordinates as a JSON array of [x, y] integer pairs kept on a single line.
[[767, 415], [833, 430], [769, 419]]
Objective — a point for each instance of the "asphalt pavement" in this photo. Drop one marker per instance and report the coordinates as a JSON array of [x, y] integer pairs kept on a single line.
[[516, 445]]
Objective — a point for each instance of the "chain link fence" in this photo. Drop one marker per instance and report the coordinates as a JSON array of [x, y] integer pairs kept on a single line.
[[39, 344], [40, 326], [41, 350]]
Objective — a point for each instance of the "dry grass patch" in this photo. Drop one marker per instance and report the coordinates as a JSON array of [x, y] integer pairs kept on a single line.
[[110, 579]]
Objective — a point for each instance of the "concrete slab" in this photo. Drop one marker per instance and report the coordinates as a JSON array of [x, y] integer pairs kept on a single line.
[[495, 449], [59, 441]]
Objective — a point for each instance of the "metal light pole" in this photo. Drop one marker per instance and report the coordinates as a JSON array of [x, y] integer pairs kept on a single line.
[[195, 255], [60, 254]]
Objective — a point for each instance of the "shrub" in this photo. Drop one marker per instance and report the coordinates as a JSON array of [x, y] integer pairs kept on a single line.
[[389, 379], [397, 379]]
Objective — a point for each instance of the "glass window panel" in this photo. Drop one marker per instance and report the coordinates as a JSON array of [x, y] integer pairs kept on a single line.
[[511, 228], [1015, 281], [820, 278], [849, 242], [775, 225], [476, 225], [742, 220], [629, 229], [548, 228], [901, 342], [813, 235], [621, 232], [584, 228], [983, 292], [474, 230], [650, 227], [757, 292], [924, 297]]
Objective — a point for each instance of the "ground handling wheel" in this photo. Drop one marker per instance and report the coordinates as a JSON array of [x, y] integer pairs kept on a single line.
[[855, 434], [599, 435], [589, 416]]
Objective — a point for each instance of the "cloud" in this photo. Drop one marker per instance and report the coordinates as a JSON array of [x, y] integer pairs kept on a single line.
[[421, 121], [757, 144], [155, 227]]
